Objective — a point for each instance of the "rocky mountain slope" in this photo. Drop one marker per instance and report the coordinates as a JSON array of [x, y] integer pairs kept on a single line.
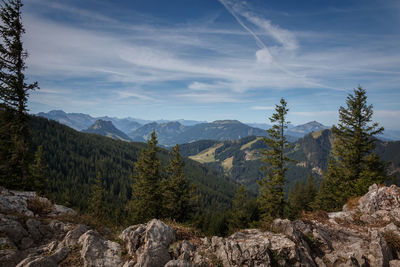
[[365, 233], [106, 128]]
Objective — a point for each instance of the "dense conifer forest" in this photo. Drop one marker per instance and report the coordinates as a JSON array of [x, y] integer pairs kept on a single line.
[[73, 160]]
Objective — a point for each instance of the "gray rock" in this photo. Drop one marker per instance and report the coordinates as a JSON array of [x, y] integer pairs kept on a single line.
[[13, 229], [72, 237], [187, 250], [380, 198], [60, 210], [45, 261], [394, 263], [96, 251], [178, 263], [158, 234], [10, 257], [133, 236], [158, 237], [58, 226], [26, 242], [33, 229]]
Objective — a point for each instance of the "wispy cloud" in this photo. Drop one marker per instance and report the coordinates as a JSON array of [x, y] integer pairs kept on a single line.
[[262, 107], [197, 62]]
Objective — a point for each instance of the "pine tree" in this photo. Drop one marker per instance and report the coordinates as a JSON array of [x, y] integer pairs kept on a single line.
[[96, 200], [302, 196], [38, 179], [13, 96], [146, 200], [271, 195], [243, 212], [176, 190], [353, 166]]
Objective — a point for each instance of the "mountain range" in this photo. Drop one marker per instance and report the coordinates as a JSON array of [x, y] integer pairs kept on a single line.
[[171, 132]]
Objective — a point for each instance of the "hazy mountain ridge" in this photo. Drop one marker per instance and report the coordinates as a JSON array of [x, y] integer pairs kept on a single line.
[[186, 131], [106, 128]]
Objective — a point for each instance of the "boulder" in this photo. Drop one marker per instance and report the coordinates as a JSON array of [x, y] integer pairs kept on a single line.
[[99, 252], [13, 229], [158, 236], [133, 236]]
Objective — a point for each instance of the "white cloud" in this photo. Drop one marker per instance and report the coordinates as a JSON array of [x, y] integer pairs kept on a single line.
[[227, 67]]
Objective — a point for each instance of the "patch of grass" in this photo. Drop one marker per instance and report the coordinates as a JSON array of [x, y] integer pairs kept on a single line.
[[207, 155], [319, 216], [393, 241], [315, 135], [7, 246], [40, 207], [213, 259], [357, 218], [186, 232], [352, 203], [227, 164], [249, 144]]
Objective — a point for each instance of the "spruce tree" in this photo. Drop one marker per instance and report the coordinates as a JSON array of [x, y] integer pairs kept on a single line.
[[176, 190], [353, 165], [38, 179], [14, 93], [301, 197], [146, 200], [96, 200], [243, 212], [271, 194]]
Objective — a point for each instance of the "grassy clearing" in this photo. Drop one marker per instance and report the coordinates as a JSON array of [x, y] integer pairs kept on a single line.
[[227, 164], [207, 155], [248, 145]]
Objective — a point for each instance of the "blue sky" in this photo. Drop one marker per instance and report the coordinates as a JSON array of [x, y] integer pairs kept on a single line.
[[213, 59]]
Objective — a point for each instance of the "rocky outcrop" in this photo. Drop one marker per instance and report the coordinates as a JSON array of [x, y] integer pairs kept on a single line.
[[367, 234]]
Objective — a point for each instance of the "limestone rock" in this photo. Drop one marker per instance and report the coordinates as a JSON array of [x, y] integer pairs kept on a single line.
[[60, 210], [96, 251], [133, 236], [72, 237], [13, 229], [158, 237], [380, 198], [178, 263]]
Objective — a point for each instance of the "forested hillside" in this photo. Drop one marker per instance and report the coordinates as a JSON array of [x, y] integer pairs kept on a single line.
[[241, 159], [73, 160]]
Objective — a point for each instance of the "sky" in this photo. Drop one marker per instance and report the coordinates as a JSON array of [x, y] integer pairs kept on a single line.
[[213, 59]]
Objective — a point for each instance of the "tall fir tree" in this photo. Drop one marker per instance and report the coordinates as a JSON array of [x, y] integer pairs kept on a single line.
[[176, 190], [96, 200], [38, 178], [146, 200], [244, 210], [353, 165], [271, 194], [301, 197], [14, 93]]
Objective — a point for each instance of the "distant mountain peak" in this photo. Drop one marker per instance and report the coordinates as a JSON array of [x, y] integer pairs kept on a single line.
[[107, 128], [98, 124], [227, 122]]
